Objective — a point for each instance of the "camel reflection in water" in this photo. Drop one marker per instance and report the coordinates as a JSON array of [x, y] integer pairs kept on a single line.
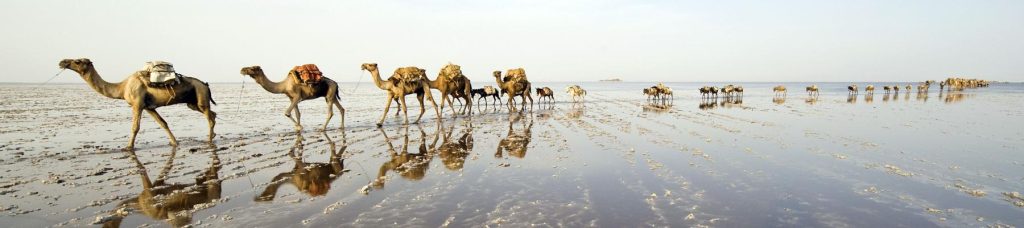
[[726, 102], [311, 178], [453, 153], [515, 143], [779, 100], [407, 165], [575, 111], [174, 202]]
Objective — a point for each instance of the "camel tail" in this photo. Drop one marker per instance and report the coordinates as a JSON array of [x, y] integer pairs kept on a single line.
[[209, 94]]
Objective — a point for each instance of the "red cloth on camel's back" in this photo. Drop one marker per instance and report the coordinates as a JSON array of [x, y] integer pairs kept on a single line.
[[309, 73]]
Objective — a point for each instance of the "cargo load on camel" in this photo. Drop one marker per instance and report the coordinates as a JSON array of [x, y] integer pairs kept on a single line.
[[408, 75], [452, 72], [308, 74], [160, 74]]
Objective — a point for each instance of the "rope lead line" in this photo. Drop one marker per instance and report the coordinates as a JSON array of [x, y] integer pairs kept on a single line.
[[54, 76]]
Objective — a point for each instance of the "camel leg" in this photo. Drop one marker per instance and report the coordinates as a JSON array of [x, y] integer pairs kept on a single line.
[[211, 119], [450, 104], [405, 110], [423, 108], [341, 110], [387, 107], [443, 98], [163, 124], [136, 115], [330, 113], [288, 113]]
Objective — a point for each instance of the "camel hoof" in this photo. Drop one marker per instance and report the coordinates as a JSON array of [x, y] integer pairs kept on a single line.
[[379, 125]]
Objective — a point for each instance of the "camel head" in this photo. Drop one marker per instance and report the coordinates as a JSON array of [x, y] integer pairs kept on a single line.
[[497, 74], [77, 65], [252, 71], [369, 66]]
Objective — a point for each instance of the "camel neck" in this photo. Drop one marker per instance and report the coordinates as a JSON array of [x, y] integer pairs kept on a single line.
[[377, 81], [270, 86], [107, 89]]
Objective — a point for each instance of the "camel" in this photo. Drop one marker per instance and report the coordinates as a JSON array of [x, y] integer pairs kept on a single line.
[[812, 90], [403, 82], [311, 178], [922, 88], [728, 90], [869, 90], [663, 90], [140, 96], [886, 89], [896, 89], [452, 84], [852, 90], [652, 93], [297, 91], [514, 84], [714, 92], [577, 92], [174, 203], [545, 92], [705, 92], [486, 92], [738, 90], [779, 89], [908, 88]]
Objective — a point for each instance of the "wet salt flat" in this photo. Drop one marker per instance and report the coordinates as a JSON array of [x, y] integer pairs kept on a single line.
[[906, 160]]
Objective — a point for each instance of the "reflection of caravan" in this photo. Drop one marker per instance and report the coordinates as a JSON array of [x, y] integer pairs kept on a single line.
[[311, 178], [515, 143], [408, 166], [173, 203], [453, 153]]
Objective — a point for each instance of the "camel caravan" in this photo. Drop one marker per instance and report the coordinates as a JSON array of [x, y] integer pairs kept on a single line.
[[157, 84], [658, 92]]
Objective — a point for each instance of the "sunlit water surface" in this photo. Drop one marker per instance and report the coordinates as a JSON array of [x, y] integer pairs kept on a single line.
[[615, 160]]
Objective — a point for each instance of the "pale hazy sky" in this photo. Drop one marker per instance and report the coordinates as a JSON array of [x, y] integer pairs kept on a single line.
[[575, 40]]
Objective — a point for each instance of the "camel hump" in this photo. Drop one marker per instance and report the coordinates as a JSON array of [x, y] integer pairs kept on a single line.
[[308, 73]]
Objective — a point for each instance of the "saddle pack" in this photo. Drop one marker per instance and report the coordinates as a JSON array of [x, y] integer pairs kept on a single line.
[[409, 75], [160, 74], [308, 73]]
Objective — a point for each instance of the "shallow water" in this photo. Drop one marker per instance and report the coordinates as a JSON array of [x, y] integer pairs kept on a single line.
[[617, 160]]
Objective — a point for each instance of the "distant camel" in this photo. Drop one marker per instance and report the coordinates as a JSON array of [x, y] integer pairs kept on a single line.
[[727, 90], [486, 92], [922, 88], [887, 89], [870, 89], [738, 90], [896, 89], [812, 90], [545, 92], [705, 92], [714, 92], [852, 89], [576, 92], [779, 90], [652, 92]]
